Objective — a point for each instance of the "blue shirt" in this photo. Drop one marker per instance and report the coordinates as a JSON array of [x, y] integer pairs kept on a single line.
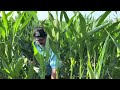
[[51, 64]]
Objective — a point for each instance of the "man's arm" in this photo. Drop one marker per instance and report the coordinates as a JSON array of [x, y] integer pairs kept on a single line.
[[53, 74], [53, 64]]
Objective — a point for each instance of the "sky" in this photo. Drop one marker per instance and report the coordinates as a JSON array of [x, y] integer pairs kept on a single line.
[[44, 14]]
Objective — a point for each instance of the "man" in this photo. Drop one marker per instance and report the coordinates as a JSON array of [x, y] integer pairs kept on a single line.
[[40, 37]]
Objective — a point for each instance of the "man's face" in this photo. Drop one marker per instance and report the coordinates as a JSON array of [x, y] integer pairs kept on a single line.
[[41, 41]]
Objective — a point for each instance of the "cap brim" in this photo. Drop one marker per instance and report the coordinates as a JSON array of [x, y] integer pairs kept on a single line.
[[38, 38]]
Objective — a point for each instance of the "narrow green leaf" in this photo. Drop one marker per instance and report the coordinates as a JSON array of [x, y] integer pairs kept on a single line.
[[47, 49], [81, 69], [34, 15], [90, 70], [26, 22], [6, 67], [97, 29], [30, 72], [71, 67], [18, 67], [101, 59], [50, 16], [9, 13], [17, 23], [103, 17], [89, 65], [40, 59], [82, 23], [5, 22], [91, 12], [61, 16], [112, 27], [116, 44], [2, 32], [66, 16], [52, 45], [70, 22]]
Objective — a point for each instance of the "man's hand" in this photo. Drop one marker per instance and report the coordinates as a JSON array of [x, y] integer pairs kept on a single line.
[[53, 74], [31, 62]]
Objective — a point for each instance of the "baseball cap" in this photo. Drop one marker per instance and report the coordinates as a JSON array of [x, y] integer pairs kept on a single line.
[[39, 32]]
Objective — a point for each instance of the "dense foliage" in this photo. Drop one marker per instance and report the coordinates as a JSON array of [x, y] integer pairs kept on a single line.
[[88, 48]]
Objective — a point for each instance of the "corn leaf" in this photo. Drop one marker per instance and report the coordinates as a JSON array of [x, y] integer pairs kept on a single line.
[[103, 17], [66, 16], [6, 67], [18, 67], [40, 59], [30, 72], [2, 32], [17, 23], [97, 29], [9, 13], [26, 22], [116, 44], [101, 59], [5, 22], [82, 24]]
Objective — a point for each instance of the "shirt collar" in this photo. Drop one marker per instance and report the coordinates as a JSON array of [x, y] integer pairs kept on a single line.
[[42, 48]]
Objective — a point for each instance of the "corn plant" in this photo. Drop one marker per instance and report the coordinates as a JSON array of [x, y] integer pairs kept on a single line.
[[88, 47], [11, 30], [78, 38]]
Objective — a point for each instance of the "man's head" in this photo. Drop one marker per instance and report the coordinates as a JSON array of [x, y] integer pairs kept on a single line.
[[40, 36]]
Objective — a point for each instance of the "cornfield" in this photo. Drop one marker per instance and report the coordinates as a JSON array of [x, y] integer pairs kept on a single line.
[[88, 48]]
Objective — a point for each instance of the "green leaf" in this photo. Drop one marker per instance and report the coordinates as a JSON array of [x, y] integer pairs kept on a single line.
[[116, 44], [30, 72], [52, 45], [40, 59], [101, 59], [113, 26], [6, 67], [66, 16], [9, 13], [70, 21], [97, 29], [50, 16], [47, 49], [103, 17], [34, 15], [2, 32], [81, 69], [61, 16], [89, 65], [90, 70], [72, 66], [82, 23], [5, 22], [18, 67], [17, 23], [26, 22]]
